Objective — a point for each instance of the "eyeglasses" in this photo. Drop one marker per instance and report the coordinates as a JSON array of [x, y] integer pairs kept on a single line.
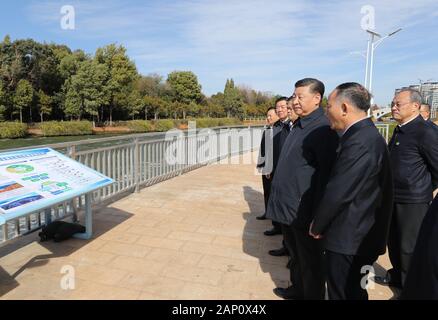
[[398, 105]]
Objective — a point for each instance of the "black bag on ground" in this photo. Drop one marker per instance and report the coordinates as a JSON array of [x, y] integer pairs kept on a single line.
[[60, 231]]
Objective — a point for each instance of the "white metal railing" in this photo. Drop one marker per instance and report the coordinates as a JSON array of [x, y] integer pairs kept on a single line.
[[384, 130], [137, 163]]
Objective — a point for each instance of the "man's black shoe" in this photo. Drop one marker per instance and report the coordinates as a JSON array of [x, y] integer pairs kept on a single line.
[[279, 252], [272, 232], [262, 217], [387, 281], [287, 293]]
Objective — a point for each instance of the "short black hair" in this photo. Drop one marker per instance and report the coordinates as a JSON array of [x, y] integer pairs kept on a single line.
[[280, 99], [269, 109], [315, 85], [425, 105], [356, 94]]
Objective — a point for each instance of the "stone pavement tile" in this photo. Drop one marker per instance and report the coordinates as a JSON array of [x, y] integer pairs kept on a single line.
[[152, 284], [196, 291], [221, 231], [99, 274], [193, 274], [190, 236], [94, 291], [92, 257], [156, 242], [229, 265], [148, 231], [174, 257], [132, 264], [126, 238], [178, 226], [122, 249]]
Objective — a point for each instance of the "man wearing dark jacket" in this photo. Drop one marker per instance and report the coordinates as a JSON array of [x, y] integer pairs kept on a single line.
[[301, 175], [414, 158], [265, 161], [354, 214], [279, 134]]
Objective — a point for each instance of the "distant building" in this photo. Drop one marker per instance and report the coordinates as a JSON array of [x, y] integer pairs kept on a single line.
[[429, 91]]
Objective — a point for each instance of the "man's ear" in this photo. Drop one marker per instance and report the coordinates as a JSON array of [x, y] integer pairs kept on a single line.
[[345, 108]]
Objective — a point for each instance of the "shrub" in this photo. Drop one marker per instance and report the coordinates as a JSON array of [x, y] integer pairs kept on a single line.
[[164, 125], [10, 130], [139, 126], [229, 122], [66, 128]]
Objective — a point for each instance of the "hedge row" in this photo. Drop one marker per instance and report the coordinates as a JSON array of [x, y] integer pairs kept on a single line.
[[10, 130], [167, 124], [77, 128], [66, 128]]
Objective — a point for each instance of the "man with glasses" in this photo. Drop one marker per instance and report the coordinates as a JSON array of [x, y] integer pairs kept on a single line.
[[301, 175], [280, 131], [414, 158]]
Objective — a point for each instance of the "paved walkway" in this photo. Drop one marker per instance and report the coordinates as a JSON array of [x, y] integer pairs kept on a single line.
[[192, 237]]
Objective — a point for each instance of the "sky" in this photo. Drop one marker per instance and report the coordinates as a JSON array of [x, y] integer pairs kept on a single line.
[[266, 45]]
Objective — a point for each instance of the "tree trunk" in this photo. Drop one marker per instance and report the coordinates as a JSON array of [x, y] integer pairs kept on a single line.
[[42, 119], [184, 114], [145, 112], [111, 116], [156, 116], [30, 113], [21, 115]]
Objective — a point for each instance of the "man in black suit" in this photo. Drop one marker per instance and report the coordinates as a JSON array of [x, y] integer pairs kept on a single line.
[[354, 214], [425, 111], [302, 173], [422, 278], [265, 155], [280, 132], [414, 158]]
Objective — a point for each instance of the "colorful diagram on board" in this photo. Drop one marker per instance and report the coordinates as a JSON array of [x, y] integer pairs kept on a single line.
[[55, 187], [20, 168]]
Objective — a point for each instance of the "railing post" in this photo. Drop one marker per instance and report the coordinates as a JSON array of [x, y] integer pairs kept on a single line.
[[137, 165], [71, 152]]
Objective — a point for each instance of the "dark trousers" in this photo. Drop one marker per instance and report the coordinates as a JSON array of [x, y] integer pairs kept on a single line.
[[289, 244], [266, 192], [307, 269], [405, 226], [345, 277]]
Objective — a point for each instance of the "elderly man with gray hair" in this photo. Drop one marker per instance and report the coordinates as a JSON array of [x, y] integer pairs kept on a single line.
[[414, 158]]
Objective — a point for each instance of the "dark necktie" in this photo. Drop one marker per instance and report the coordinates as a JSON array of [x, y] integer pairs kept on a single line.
[[394, 138]]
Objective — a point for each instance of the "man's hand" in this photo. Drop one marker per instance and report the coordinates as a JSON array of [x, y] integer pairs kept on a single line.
[[315, 236], [268, 176]]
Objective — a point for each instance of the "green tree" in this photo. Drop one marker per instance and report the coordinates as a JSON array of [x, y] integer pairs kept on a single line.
[[121, 74], [134, 103], [44, 104], [86, 90], [23, 97], [2, 101], [155, 105], [233, 104], [185, 88]]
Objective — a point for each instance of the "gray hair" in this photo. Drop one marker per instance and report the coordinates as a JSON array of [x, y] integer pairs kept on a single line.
[[414, 95]]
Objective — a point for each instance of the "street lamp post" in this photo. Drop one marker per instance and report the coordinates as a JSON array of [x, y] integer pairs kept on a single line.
[[372, 45]]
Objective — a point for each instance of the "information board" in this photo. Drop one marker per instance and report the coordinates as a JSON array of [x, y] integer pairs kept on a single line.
[[31, 180]]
